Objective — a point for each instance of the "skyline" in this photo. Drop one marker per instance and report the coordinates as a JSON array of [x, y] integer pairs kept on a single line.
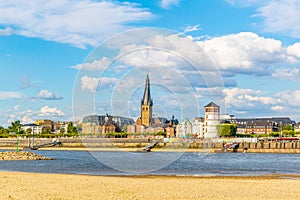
[[50, 58]]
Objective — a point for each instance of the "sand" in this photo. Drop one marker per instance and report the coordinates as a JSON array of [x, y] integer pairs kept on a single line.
[[17, 185]]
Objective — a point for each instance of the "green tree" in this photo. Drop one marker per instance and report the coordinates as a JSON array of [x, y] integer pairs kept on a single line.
[[46, 130], [3, 132], [1, 129], [71, 128], [15, 127], [29, 131], [62, 130], [287, 128], [226, 130]]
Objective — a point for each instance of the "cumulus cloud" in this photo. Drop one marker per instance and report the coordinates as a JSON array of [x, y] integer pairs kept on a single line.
[[93, 84], [97, 65], [47, 95], [89, 83], [291, 98], [292, 74], [168, 3], [6, 31], [5, 95], [294, 52], [277, 108], [238, 97], [26, 119], [30, 115], [78, 23], [46, 111], [245, 52], [226, 56]]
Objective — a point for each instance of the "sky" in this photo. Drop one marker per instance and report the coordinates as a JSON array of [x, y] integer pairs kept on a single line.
[[64, 59]]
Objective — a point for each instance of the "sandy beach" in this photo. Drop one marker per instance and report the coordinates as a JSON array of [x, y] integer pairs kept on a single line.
[[17, 185]]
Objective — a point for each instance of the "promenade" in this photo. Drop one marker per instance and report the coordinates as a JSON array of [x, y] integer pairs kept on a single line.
[[133, 144]]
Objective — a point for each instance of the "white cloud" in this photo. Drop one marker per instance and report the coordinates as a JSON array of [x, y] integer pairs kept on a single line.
[[292, 74], [47, 95], [26, 119], [281, 16], [16, 107], [5, 32], [289, 98], [277, 108], [245, 52], [192, 28], [237, 97], [79, 23], [4, 95], [50, 112], [229, 55], [91, 84], [168, 3], [29, 115], [294, 52], [99, 65]]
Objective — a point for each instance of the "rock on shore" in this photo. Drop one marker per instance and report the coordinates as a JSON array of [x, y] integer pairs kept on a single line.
[[22, 155]]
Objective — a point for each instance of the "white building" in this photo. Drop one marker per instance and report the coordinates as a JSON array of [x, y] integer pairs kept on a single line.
[[184, 128], [198, 127], [35, 129], [211, 120]]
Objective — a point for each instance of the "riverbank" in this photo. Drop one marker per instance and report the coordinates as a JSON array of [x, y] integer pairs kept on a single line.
[[134, 144], [188, 150], [17, 185]]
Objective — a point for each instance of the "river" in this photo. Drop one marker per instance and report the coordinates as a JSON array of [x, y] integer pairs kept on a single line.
[[158, 163]]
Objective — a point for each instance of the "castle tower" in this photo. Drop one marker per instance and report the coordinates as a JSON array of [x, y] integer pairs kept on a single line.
[[146, 105], [212, 119]]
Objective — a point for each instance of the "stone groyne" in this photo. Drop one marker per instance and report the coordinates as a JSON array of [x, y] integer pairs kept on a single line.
[[22, 155]]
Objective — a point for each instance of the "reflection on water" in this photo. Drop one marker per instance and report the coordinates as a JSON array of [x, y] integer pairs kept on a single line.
[[158, 163]]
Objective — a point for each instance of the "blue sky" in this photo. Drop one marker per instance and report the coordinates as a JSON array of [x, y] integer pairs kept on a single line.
[[61, 60]]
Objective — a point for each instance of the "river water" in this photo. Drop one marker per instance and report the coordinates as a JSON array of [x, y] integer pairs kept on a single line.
[[158, 163]]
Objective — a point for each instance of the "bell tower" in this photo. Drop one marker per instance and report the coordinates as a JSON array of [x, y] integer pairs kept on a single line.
[[146, 105]]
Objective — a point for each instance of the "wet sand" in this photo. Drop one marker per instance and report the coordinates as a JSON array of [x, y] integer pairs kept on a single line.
[[17, 185]]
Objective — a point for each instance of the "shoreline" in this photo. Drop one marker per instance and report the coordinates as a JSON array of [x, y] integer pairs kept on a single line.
[[183, 150], [24, 185]]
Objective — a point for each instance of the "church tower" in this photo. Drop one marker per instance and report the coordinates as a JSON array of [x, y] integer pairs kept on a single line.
[[146, 105]]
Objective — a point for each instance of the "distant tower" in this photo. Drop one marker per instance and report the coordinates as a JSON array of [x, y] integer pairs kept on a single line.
[[212, 119], [146, 105]]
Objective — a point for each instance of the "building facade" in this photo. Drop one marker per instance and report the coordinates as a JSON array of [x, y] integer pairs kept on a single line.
[[32, 128], [45, 123], [102, 124], [198, 127], [261, 125], [184, 128]]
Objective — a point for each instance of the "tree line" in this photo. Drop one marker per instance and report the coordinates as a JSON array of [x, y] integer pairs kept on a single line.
[[15, 130]]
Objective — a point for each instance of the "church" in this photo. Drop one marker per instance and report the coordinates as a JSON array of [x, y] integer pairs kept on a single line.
[[145, 123]]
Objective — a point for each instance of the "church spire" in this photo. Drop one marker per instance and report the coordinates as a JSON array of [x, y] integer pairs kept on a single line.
[[147, 97], [146, 105]]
